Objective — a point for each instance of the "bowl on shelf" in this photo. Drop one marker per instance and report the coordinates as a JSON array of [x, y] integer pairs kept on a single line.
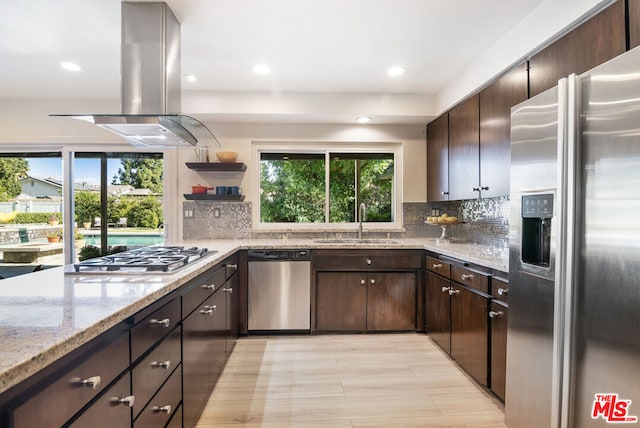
[[225, 156]]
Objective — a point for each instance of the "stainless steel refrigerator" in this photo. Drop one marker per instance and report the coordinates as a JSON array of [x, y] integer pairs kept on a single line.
[[573, 343]]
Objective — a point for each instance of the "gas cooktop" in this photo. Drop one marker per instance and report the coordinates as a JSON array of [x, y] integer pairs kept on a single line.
[[154, 259]]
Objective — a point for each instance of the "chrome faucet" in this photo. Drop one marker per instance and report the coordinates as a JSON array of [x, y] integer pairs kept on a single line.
[[362, 213]]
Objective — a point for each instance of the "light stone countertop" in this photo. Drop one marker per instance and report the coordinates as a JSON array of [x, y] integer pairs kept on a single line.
[[47, 314]]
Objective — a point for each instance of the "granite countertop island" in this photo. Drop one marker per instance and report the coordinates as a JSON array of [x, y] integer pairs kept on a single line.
[[47, 314]]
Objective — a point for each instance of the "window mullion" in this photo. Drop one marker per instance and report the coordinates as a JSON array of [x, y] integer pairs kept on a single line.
[[327, 177]]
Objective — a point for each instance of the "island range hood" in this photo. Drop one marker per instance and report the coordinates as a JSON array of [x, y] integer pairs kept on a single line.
[[150, 82]]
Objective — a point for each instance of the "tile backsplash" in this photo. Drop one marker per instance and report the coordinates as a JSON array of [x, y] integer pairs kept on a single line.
[[486, 221]]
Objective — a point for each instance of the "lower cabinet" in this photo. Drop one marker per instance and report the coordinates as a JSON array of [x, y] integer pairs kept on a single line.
[[498, 316], [470, 331], [438, 308], [112, 409], [159, 410], [365, 301]]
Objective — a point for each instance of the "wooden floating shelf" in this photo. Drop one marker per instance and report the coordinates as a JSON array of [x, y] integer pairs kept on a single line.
[[216, 166], [203, 197]]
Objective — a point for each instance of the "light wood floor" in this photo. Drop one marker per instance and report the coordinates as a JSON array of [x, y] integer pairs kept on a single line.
[[347, 381]]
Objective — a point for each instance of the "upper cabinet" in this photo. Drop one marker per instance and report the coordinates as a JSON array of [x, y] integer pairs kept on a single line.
[[464, 150], [496, 101], [590, 44], [438, 159], [634, 23]]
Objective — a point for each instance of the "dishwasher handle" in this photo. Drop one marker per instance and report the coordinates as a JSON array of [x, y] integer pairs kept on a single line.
[[279, 255]]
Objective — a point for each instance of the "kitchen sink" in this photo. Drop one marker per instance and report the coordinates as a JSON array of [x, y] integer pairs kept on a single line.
[[355, 241]]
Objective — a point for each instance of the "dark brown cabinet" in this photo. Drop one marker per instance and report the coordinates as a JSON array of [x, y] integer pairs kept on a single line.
[[204, 354], [470, 331], [341, 301], [456, 314], [361, 301], [438, 159], [496, 101], [365, 290], [498, 315], [159, 410], [590, 44], [110, 410], [209, 332], [464, 150], [72, 389], [438, 310]]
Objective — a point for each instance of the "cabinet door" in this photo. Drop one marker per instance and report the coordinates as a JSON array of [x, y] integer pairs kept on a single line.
[[495, 129], [203, 354], [464, 150], [391, 301], [438, 159], [341, 301], [231, 290], [595, 41], [438, 311], [470, 332], [106, 412], [498, 316]]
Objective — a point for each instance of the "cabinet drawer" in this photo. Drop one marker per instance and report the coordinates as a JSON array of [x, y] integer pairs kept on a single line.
[[151, 372], [107, 411], [159, 410], [204, 287], [63, 398], [153, 327], [470, 278], [500, 288], [366, 260], [439, 267]]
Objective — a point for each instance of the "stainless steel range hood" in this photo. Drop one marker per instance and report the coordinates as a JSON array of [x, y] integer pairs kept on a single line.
[[151, 82]]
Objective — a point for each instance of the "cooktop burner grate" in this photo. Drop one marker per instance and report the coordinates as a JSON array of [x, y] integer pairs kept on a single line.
[[146, 259]]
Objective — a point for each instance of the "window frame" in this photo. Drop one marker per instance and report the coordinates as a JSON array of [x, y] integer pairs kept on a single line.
[[326, 148]]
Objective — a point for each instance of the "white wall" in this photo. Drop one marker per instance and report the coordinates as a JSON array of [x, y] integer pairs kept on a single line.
[[548, 19], [239, 137]]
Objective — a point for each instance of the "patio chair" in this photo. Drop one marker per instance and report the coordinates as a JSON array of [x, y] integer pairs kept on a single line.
[[122, 222], [97, 222]]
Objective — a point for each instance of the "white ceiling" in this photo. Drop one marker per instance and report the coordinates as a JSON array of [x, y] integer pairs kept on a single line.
[[314, 48]]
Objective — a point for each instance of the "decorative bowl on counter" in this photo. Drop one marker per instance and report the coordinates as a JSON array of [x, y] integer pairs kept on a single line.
[[225, 156]]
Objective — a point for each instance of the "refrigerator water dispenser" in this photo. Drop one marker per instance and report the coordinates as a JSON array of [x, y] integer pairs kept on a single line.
[[537, 211]]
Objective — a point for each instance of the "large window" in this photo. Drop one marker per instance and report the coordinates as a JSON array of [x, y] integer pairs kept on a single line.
[[326, 186]]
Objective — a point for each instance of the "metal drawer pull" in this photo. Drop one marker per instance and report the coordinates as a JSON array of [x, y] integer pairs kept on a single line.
[[208, 310], [165, 322], [445, 289], [452, 292], [209, 287], [494, 314], [502, 291], [127, 401], [444, 193], [436, 265], [233, 266], [228, 290], [464, 277], [484, 188], [475, 189], [372, 281], [368, 261], [92, 382], [162, 409], [161, 364], [363, 282]]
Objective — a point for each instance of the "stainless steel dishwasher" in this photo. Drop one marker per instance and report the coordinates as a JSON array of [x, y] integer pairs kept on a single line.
[[279, 291]]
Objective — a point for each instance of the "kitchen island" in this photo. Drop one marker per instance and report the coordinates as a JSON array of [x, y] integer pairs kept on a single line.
[[47, 315]]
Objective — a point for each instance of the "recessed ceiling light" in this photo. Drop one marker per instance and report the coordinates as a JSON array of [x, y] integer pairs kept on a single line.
[[364, 119], [395, 71], [70, 66], [190, 78], [261, 69]]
